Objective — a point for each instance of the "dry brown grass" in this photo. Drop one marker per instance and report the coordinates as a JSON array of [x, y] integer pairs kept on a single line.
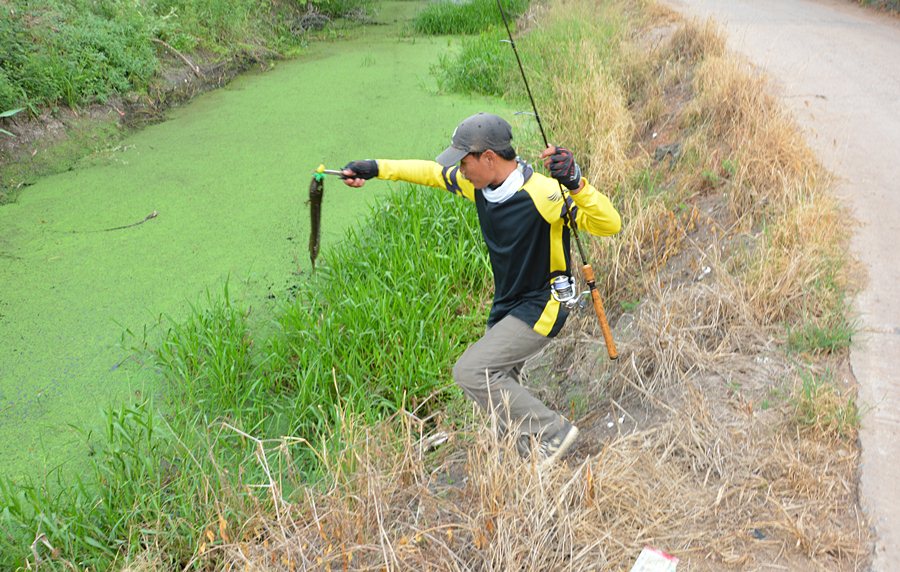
[[695, 41], [696, 482], [774, 163], [716, 445]]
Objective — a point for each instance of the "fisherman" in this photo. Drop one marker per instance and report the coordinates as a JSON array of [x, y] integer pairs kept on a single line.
[[521, 214]]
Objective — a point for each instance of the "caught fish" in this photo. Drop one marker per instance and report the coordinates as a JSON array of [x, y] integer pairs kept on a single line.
[[316, 191]]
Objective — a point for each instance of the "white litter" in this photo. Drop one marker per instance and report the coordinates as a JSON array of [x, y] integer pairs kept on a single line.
[[434, 441], [653, 560]]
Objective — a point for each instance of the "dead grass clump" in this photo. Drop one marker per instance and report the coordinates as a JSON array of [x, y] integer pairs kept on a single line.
[[684, 331], [695, 41], [603, 126], [654, 235], [482, 509], [822, 409], [797, 270], [582, 97], [811, 493], [773, 163], [699, 482]]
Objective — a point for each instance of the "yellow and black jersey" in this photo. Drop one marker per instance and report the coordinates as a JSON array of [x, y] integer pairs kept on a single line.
[[526, 237]]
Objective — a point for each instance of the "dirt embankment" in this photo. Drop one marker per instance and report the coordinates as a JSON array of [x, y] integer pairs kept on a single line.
[[837, 68]]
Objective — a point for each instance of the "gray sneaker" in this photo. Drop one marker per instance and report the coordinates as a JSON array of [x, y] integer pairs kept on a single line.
[[550, 447]]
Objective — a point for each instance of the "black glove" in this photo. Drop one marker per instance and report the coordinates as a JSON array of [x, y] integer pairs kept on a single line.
[[367, 169], [564, 169]]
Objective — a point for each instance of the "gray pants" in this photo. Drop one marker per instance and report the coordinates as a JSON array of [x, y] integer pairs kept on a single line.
[[490, 370]]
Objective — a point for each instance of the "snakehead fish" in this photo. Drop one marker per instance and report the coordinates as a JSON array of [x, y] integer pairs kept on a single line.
[[316, 191]]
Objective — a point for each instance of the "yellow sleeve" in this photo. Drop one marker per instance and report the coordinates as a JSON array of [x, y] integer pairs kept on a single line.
[[592, 209], [595, 212], [426, 173]]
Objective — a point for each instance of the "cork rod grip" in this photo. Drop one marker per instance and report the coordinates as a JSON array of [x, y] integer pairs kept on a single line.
[[601, 314]]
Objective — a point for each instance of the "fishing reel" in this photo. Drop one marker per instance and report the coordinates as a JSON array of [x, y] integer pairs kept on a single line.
[[563, 290]]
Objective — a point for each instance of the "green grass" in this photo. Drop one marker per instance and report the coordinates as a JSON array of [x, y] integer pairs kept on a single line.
[[368, 334], [825, 335], [826, 325], [142, 489], [471, 17], [76, 52], [820, 405], [72, 52], [483, 65]]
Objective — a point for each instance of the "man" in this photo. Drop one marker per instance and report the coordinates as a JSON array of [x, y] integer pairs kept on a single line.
[[521, 216]]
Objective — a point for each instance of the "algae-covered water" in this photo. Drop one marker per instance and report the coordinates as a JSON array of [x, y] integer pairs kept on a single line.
[[228, 175]]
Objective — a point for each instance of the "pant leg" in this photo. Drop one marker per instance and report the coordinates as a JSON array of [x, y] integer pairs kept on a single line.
[[488, 372]]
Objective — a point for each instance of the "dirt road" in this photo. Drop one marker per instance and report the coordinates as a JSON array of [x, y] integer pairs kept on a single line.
[[837, 66]]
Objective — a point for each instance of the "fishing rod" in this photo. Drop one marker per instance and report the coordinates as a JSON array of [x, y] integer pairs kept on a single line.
[[586, 268]]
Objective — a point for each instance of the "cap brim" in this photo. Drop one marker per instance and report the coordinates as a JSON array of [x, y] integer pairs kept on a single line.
[[451, 156]]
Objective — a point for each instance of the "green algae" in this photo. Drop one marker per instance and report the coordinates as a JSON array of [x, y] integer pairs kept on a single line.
[[228, 176]]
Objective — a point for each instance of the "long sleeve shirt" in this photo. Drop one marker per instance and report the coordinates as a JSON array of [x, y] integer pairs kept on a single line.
[[525, 232]]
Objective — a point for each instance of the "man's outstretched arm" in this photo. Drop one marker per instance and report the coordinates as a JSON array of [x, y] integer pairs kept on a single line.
[[419, 172]]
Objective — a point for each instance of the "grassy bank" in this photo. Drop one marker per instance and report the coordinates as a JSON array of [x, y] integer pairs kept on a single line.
[[474, 17], [78, 52], [731, 436], [71, 72]]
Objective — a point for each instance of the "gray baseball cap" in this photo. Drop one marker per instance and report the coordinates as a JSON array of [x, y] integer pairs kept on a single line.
[[475, 134]]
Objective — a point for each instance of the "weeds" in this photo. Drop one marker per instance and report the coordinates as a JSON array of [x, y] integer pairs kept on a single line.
[[73, 53], [890, 5], [828, 335], [472, 17], [386, 331], [820, 406], [483, 65], [137, 495]]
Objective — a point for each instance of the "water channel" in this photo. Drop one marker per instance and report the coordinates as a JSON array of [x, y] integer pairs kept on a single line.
[[228, 176]]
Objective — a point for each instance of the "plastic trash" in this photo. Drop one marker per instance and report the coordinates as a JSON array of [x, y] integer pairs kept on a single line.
[[653, 560]]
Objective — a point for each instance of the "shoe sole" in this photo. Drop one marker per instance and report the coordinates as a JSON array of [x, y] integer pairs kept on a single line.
[[563, 447]]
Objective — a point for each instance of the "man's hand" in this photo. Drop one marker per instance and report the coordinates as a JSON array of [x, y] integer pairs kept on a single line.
[[356, 173], [562, 166]]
